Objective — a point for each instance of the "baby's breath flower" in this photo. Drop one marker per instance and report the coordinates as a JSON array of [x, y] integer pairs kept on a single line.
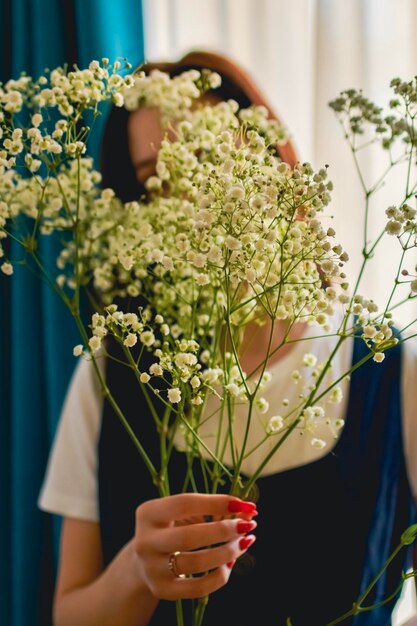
[[236, 192], [296, 376], [78, 350], [127, 261], [275, 424], [202, 279], [233, 389], [369, 332], [144, 378], [309, 360], [118, 99], [393, 227], [318, 412], [147, 338], [130, 340], [336, 395], [263, 405], [174, 395], [195, 382], [205, 356], [7, 268], [94, 343], [214, 80], [266, 377], [156, 370], [250, 275], [34, 165], [318, 443], [214, 255], [37, 119], [379, 357]]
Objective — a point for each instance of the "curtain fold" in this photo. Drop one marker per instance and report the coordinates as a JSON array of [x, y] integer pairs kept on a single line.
[[37, 332]]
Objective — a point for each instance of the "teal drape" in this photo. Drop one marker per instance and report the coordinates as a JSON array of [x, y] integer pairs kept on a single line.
[[37, 333]]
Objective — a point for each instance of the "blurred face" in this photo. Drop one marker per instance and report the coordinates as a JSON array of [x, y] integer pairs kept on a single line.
[[145, 136]]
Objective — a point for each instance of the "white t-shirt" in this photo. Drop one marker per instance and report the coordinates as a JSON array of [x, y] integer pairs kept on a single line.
[[70, 486]]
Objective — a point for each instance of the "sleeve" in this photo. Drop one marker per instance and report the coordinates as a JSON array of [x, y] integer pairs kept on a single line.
[[409, 385], [70, 484]]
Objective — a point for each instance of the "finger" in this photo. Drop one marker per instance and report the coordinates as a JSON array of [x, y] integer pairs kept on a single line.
[[191, 588], [212, 558], [163, 511], [186, 538]]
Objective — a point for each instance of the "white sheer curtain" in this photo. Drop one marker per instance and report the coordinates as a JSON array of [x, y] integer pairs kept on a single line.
[[303, 53]]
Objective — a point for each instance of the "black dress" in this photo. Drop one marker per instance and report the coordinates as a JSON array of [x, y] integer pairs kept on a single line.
[[324, 529]]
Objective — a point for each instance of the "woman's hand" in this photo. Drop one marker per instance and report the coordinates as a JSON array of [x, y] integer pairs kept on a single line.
[[173, 541]]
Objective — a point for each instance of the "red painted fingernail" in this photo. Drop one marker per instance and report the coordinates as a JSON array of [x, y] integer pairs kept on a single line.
[[245, 527], [240, 506], [230, 565], [245, 542], [249, 508]]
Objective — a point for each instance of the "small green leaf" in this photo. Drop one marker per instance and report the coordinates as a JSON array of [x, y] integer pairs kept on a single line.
[[409, 535]]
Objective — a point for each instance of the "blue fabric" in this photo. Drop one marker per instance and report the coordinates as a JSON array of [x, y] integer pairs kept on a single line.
[[37, 332], [325, 528]]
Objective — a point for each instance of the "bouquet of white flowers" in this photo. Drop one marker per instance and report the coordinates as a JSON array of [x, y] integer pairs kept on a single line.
[[229, 239]]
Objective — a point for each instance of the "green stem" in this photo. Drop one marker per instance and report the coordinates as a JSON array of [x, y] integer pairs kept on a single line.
[[269, 456], [201, 607], [206, 448], [113, 403], [357, 608], [180, 615], [77, 239], [396, 281], [137, 373]]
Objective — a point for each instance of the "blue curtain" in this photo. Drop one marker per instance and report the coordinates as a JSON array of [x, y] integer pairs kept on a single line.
[[37, 333]]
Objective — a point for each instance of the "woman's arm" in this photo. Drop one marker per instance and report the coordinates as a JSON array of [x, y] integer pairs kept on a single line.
[[86, 595], [126, 593]]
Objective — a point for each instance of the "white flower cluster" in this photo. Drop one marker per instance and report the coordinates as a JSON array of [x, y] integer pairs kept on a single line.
[[67, 90], [227, 216], [57, 204], [394, 132], [181, 363], [401, 220], [176, 95], [234, 214], [228, 235], [374, 332], [49, 145], [176, 361], [360, 115], [311, 417]]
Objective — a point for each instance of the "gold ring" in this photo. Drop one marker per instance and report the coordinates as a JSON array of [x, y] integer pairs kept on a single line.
[[172, 565]]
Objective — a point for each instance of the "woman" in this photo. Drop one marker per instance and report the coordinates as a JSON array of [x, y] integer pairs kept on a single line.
[[124, 552]]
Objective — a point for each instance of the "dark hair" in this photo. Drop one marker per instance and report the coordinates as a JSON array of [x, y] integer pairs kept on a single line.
[[116, 165]]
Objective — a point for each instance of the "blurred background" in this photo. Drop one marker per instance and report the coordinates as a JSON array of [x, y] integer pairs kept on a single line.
[[302, 54]]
